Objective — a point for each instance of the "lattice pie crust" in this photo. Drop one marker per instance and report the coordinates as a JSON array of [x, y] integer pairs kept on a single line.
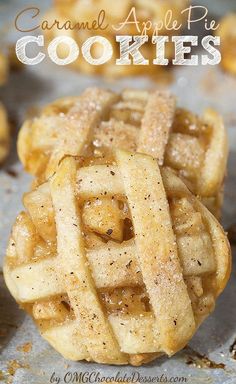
[[115, 260], [135, 120]]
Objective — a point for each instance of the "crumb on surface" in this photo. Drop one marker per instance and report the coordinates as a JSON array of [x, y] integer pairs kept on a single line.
[[26, 347]]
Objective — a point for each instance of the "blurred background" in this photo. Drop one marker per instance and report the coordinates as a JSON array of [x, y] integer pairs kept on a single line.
[[26, 89]]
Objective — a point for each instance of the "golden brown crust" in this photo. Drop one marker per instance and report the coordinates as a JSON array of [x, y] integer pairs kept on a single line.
[[103, 289]]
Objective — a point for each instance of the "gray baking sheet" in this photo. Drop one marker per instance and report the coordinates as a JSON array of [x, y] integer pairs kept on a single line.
[[25, 356]]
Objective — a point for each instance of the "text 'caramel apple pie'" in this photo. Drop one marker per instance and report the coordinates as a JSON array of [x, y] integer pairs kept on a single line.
[[155, 12], [136, 120], [4, 126], [115, 259]]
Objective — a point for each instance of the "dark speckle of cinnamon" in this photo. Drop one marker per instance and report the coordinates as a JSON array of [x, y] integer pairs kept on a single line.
[[232, 350], [197, 360], [12, 172]]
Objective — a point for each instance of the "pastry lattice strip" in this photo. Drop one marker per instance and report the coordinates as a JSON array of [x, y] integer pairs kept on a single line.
[[134, 120], [42, 279]]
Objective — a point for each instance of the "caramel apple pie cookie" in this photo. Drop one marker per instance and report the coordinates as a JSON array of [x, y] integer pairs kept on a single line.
[[4, 126], [3, 68], [227, 33], [143, 121], [115, 260]]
